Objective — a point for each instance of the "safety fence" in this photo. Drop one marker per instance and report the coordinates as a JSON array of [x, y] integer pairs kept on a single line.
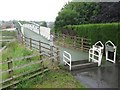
[[47, 48], [44, 31], [15, 70], [73, 41]]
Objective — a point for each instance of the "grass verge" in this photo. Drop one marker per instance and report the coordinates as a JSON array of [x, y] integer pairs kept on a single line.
[[15, 50], [53, 79]]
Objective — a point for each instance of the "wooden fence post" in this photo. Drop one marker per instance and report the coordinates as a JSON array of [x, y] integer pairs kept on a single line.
[[63, 39], [51, 45], [22, 38], [51, 51], [25, 41], [10, 68], [40, 47], [58, 58], [40, 57], [39, 29], [51, 48], [74, 41], [18, 36], [58, 38], [30, 43], [82, 43]]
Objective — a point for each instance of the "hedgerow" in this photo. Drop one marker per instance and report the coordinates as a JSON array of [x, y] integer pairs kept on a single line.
[[96, 32]]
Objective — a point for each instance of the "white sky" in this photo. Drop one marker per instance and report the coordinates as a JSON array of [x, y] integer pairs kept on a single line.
[[39, 10]]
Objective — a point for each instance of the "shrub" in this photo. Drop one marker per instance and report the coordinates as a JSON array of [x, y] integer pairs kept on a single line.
[[102, 32]]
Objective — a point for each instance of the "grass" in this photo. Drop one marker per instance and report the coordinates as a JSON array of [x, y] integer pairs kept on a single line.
[[52, 79], [16, 50], [8, 33], [68, 42]]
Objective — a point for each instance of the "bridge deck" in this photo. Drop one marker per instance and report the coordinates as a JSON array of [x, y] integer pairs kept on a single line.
[[76, 55]]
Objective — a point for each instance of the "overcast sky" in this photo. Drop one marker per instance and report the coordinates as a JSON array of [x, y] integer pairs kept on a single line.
[[39, 10]]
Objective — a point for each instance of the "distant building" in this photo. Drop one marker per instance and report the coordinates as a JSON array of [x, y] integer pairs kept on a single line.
[[3, 26], [6, 25]]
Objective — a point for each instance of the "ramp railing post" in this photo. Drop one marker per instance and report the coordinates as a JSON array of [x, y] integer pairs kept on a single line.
[[82, 43], [68, 57], [40, 47], [58, 58], [10, 68], [30, 43], [96, 51]]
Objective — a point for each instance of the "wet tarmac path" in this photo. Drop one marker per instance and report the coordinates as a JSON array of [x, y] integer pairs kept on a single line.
[[99, 77]]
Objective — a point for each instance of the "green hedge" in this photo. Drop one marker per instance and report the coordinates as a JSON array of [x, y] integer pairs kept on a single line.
[[102, 32]]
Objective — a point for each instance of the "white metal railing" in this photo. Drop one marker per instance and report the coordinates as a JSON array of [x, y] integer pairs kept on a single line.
[[67, 59], [44, 31], [96, 52], [110, 47]]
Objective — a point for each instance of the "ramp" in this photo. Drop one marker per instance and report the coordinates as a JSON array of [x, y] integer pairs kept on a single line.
[[81, 64], [70, 64]]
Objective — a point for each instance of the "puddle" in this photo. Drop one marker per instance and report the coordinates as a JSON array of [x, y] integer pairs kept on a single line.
[[99, 77]]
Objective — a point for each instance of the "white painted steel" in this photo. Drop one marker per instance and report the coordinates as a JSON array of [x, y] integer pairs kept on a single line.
[[21, 27], [68, 61], [44, 31], [96, 51], [51, 40], [111, 48]]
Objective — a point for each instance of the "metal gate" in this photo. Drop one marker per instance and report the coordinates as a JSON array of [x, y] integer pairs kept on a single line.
[[96, 52], [110, 50]]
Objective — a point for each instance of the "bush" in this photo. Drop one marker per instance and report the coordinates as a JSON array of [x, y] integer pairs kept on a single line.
[[3, 44], [102, 32], [15, 50]]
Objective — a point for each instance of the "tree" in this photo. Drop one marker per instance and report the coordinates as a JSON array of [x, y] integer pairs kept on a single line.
[[75, 13], [43, 23]]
